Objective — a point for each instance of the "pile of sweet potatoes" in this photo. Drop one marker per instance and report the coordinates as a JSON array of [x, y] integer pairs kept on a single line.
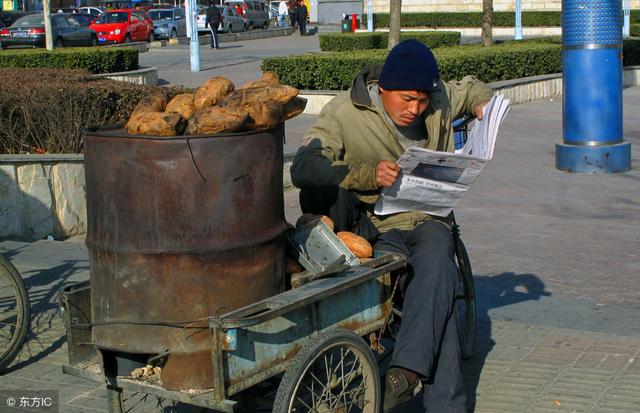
[[217, 107]]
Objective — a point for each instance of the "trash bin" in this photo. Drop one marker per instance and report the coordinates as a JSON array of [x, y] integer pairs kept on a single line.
[[346, 25]]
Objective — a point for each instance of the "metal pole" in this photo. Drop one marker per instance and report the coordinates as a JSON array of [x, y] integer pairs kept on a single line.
[[518, 20], [194, 43], [592, 83], [48, 34], [369, 15], [627, 14]]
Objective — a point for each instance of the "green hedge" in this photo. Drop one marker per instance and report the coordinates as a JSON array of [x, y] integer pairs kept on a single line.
[[342, 42], [46, 109], [509, 60], [634, 30], [92, 59], [474, 19]]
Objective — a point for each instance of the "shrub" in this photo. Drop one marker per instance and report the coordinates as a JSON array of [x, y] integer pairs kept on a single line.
[[340, 42], [634, 30], [473, 19], [46, 109], [92, 59], [508, 60]]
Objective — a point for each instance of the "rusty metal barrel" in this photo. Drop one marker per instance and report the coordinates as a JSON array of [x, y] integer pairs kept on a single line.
[[180, 229]]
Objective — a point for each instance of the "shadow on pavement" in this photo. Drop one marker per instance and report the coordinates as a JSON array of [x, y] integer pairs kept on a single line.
[[494, 292]]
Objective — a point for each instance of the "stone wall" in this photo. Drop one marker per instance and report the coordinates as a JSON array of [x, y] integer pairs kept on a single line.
[[415, 6], [42, 195]]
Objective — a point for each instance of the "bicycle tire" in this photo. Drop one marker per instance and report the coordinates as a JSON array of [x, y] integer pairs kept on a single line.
[[466, 302], [13, 297]]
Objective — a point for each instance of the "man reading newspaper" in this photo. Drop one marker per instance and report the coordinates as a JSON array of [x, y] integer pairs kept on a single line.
[[345, 161]]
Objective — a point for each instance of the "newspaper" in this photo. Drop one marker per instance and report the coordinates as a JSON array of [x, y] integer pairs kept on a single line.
[[433, 182]]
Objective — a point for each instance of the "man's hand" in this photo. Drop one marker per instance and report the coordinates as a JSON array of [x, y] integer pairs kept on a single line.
[[386, 173], [478, 110]]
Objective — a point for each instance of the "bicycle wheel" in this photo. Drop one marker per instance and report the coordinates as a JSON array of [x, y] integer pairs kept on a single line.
[[15, 313], [335, 372], [467, 300]]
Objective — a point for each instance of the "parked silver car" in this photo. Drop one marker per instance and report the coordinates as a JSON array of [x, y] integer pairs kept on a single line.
[[168, 23], [254, 12], [231, 21]]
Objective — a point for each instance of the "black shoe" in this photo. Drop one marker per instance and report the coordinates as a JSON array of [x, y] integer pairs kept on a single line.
[[397, 389]]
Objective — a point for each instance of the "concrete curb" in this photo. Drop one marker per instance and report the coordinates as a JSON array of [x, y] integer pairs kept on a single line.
[[142, 47], [142, 76], [237, 37]]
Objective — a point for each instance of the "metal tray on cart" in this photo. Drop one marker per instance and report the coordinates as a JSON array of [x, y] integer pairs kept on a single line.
[[317, 248]]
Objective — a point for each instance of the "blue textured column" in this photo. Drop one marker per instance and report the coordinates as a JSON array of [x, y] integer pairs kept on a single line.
[[592, 88]]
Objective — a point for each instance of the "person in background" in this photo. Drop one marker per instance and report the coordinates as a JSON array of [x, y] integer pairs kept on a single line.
[[301, 17], [213, 21], [291, 6], [283, 11]]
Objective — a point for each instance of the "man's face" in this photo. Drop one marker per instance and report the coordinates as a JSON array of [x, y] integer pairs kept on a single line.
[[404, 106]]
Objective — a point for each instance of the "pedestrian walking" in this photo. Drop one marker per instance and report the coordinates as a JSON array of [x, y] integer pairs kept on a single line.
[[283, 11], [291, 6], [301, 17], [213, 21]]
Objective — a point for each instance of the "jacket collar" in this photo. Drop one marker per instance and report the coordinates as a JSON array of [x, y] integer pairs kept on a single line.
[[359, 88]]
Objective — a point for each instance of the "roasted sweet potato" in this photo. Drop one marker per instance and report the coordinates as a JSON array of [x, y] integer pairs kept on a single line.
[[306, 218], [358, 245], [293, 108], [153, 103], [216, 119], [263, 115], [268, 78], [277, 93], [182, 105], [155, 124], [212, 92]]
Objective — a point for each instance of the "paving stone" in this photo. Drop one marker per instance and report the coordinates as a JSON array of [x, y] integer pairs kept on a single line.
[[544, 355]]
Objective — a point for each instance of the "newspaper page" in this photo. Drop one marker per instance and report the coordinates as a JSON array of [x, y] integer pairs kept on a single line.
[[433, 182]]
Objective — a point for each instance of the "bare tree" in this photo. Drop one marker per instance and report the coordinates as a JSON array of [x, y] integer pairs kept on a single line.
[[487, 22], [394, 23]]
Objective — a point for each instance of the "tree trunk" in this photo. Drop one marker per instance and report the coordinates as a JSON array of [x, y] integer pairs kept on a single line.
[[394, 23], [487, 22]]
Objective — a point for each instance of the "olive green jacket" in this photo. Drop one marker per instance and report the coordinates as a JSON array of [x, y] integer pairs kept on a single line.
[[351, 136]]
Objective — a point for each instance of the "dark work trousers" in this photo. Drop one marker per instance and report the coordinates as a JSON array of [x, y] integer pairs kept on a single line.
[[302, 22], [292, 19], [344, 209], [428, 339], [214, 37]]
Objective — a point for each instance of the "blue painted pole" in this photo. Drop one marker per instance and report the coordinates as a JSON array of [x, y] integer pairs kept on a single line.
[[518, 20], [592, 88]]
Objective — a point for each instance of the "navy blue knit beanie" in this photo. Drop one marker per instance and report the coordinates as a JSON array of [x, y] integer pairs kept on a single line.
[[410, 66]]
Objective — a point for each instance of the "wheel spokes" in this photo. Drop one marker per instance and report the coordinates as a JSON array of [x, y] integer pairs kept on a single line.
[[334, 384]]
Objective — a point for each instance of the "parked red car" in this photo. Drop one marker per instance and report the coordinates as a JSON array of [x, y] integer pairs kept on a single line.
[[123, 26]]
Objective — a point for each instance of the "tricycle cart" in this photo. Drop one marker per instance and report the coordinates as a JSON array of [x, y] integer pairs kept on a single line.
[[312, 334]]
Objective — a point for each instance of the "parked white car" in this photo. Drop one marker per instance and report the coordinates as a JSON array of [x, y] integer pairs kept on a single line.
[[94, 11]]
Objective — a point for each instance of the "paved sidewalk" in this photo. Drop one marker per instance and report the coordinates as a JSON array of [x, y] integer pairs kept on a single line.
[[556, 263]]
